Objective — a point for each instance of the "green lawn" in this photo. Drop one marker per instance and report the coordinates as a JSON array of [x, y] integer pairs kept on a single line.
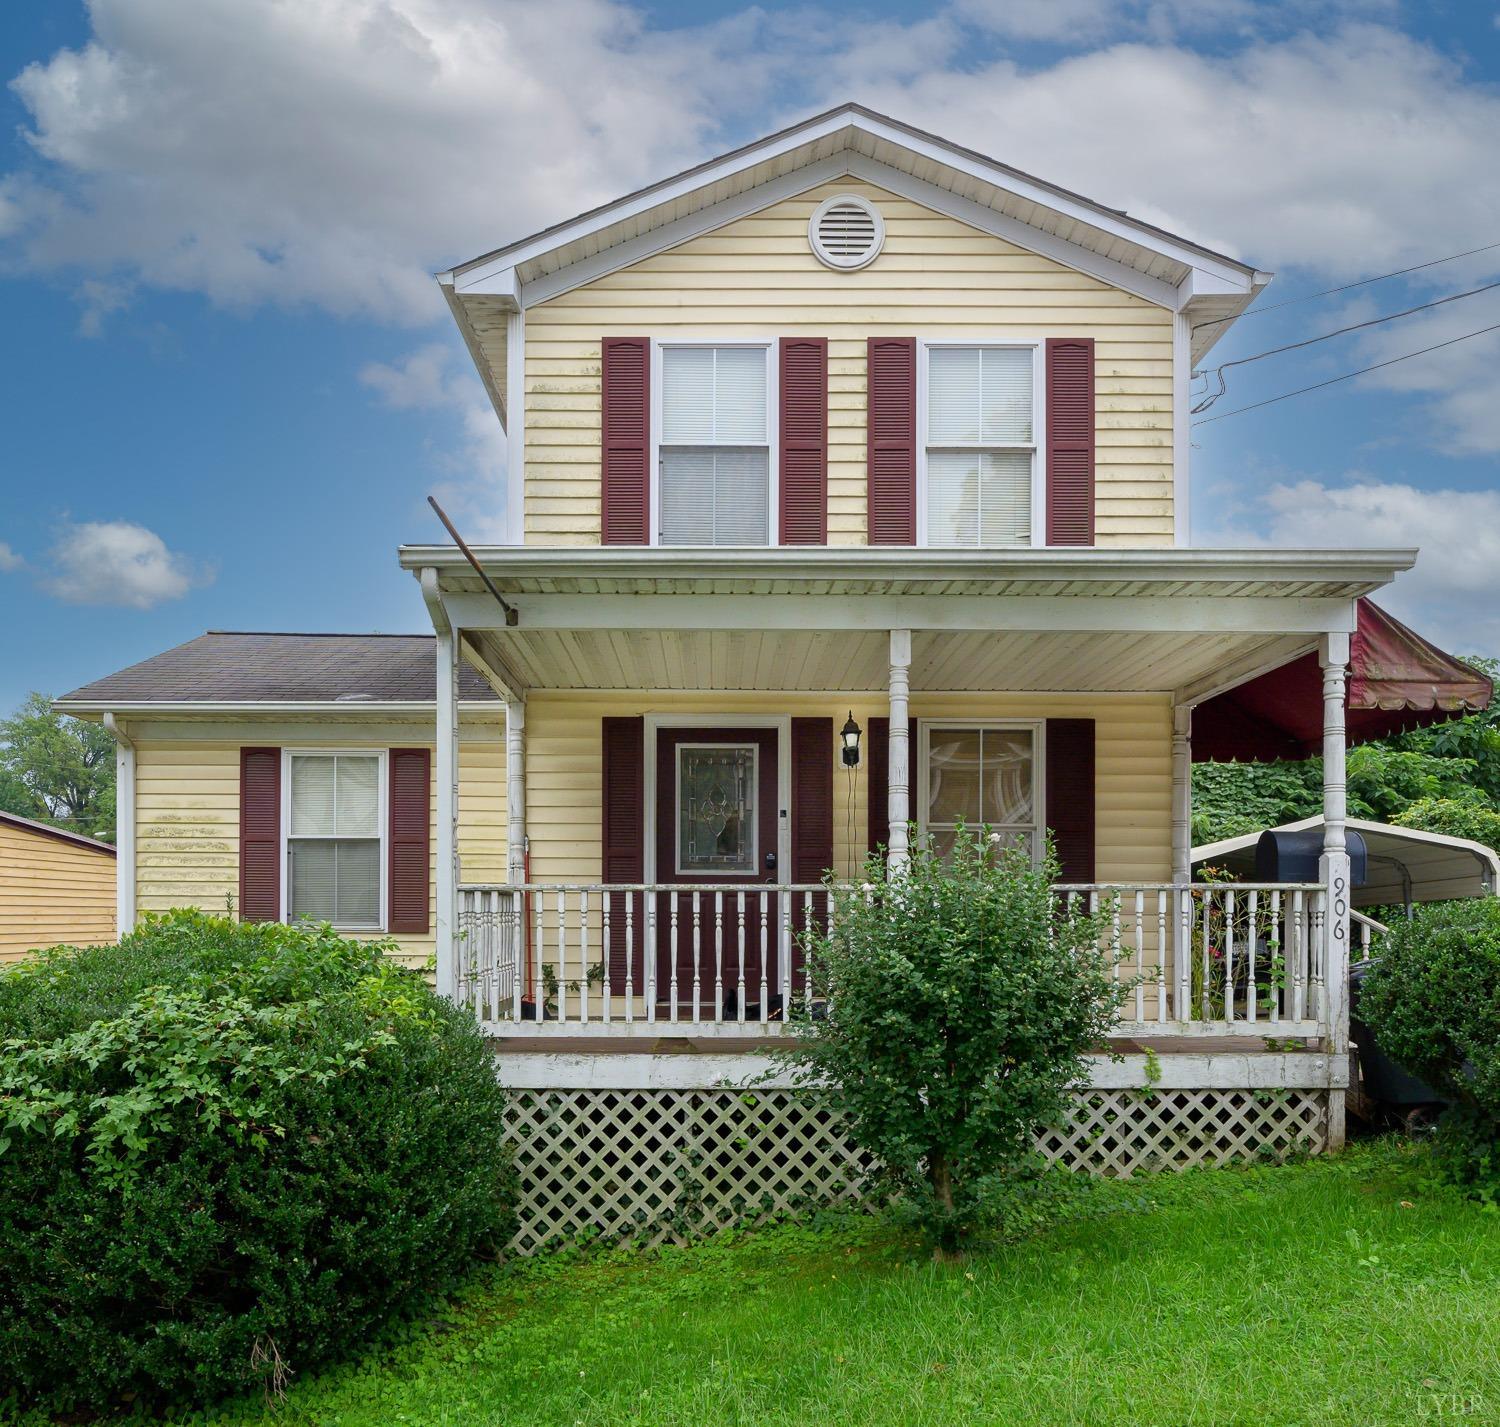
[[1331, 1292]]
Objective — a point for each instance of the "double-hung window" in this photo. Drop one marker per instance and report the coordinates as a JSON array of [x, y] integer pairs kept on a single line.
[[334, 838], [980, 445], [714, 446], [979, 774]]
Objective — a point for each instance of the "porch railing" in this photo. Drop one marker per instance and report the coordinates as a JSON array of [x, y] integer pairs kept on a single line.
[[597, 959]]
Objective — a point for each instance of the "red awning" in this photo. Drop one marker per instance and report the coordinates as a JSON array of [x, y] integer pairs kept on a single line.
[[1397, 681]]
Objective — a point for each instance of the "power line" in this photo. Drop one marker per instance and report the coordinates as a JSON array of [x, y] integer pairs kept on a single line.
[[1347, 376], [1223, 367], [1346, 287]]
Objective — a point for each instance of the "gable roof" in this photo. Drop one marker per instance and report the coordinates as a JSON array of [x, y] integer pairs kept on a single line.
[[1106, 242], [62, 834], [230, 667]]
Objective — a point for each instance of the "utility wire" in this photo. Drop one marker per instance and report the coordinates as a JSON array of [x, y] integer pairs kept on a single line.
[[1346, 287], [1347, 376], [1223, 367]]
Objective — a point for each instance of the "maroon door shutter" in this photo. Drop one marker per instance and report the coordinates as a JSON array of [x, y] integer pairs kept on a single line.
[[812, 799], [625, 444], [803, 461], [891, 431], [260, 834], [410, 831], [1069, 795], [1070, 441], [878, 784], [623, 840]]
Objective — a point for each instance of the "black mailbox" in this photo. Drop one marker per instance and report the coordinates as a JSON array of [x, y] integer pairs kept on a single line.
[[1293, 856]]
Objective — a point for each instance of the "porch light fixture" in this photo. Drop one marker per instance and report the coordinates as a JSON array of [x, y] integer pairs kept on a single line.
[[850, 736]]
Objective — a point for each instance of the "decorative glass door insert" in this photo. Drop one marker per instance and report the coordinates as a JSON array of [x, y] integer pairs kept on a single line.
[[716, 815]]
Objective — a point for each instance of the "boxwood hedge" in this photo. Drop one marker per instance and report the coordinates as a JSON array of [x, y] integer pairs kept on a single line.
[[229, 1153]]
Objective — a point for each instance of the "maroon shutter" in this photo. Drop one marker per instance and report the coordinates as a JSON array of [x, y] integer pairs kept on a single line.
[[891, 430], [625, 445], [1069, 795], [812, 799], [410, 850], [1070, 441], [877, 786], [803, 460], [260, 834], [623, 838]]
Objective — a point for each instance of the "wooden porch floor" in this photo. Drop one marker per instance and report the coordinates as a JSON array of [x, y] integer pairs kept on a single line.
[[757, 1045]]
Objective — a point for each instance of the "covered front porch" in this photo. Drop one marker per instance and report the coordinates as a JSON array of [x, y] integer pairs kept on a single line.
[[1083, 667]]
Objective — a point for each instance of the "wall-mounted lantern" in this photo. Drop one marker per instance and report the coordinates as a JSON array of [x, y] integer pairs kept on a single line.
[[850, 736]]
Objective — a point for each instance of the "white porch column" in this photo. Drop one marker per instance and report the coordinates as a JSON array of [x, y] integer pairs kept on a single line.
[[1333, 869], [1182, 793], [898, 799], [446, 773], [515, 790]]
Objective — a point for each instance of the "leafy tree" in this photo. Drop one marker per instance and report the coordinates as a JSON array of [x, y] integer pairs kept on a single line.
[[58, 769], [1231, 799], [961, 1000], [1476, 821]]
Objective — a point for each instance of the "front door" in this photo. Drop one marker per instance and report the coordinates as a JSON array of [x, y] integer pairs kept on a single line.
[[717, 822]]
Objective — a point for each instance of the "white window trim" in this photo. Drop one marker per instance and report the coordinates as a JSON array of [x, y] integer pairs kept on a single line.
[[773, 430], [720, 744], [1038, 446], [1038, 730], [383, 824]]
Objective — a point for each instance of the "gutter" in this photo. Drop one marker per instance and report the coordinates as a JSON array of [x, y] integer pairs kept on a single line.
[[124, 825]]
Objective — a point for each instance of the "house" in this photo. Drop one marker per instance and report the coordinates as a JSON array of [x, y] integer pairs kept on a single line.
[[850, 432], [56, 887]]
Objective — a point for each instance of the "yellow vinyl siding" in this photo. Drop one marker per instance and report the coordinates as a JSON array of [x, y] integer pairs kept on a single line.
[[1133, 781], [52, 892], [936, 277], [188, 818]]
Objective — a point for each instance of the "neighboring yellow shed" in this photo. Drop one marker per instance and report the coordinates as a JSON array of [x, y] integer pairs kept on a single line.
[[55, 887]]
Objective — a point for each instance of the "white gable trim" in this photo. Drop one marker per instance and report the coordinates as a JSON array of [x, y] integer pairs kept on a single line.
[[902, 185]]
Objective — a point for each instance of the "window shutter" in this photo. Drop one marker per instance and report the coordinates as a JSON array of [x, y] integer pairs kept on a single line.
[[812, 798], [260, 834], [1070, 441], [1069, 795], [623, 839], [803, 465], [625, 440], [410, 832], [891, 432], [878, 781]]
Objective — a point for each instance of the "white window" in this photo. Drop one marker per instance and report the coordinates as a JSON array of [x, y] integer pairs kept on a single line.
[[979, 446], [714, 446], [979, 774], [335, 838]]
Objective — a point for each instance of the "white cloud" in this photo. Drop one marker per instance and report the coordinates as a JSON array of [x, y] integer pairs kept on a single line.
[[115, 562], [10, 561], [1452, 595], [436, 378]]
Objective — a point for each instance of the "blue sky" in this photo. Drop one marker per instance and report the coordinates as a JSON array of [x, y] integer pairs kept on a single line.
[[229, 382]]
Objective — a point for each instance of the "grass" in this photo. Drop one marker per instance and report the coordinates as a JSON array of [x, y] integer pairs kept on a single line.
[[1329, 1292]]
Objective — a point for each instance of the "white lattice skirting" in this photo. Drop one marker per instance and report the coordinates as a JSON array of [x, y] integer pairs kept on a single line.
[[670, 1166]]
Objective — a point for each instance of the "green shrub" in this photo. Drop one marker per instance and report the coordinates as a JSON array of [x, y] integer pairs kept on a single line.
[[1433, 1002], [1453, 818], [961, 999], [229, 1152]]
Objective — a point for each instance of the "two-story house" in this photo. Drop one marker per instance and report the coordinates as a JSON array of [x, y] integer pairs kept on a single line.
[[849, 480]]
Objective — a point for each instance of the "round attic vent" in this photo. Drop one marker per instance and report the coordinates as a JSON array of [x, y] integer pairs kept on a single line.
[[846, 233]]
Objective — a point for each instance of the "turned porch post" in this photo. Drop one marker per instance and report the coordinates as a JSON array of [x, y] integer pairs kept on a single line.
[[898, 793], [1182, 793], [446, 740], [515, 790], [1333, 871]]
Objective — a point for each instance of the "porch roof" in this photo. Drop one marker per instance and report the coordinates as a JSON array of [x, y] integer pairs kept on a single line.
[[1188, 622]]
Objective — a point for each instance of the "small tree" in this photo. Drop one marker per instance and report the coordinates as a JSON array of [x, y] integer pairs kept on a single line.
[[60, 770], [959, 1000]]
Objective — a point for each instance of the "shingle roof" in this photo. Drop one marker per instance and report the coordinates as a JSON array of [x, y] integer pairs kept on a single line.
[[222, 666]]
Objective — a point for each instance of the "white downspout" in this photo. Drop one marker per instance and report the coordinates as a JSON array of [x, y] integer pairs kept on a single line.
[[124, 826]]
